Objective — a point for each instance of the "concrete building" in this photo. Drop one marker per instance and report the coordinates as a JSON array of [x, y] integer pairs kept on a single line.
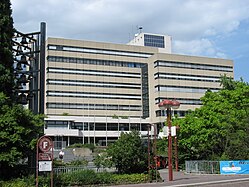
[[95, 90]]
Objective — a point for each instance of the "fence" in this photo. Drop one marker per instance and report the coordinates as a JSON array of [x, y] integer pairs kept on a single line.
[[67, 169], [202, 167]]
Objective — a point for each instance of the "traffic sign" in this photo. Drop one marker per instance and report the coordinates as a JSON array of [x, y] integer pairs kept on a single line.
[[45, 144]]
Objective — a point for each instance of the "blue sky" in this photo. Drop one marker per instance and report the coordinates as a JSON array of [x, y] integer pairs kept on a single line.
[[213, 28]]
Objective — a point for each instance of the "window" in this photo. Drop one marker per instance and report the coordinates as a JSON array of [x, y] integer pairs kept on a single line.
[[94, 106], [186, 77], [98, 51], [193, 66], [93, 95], [93, 72], [93, 84], [154, 41], [184, 89], [93, 61]]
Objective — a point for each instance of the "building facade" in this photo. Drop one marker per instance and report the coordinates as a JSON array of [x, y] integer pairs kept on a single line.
[[95, 90]]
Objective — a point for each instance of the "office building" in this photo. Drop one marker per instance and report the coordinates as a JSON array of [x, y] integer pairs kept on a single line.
[[96, 90]]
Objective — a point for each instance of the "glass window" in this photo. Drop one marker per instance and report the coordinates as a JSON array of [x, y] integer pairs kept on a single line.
[[123, 127], [100, 126], [154, 41], [98, 51], [193, 66], [112, 127]]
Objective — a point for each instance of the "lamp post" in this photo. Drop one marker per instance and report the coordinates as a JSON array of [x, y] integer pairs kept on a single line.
[[167, 105]]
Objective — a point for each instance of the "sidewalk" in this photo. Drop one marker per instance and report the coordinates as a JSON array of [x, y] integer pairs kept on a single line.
[[180, 179]]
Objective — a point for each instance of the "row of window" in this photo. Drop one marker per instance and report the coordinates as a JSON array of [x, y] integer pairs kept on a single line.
[[94, 61], [97, 126], [98, 51], [93, 72], [184, 89], [93, 95], [184, 101], [180, 113], [93, 84], [186, 77], [94, 106], [193, 66]]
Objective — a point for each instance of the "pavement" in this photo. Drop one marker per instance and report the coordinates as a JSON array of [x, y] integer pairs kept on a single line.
[[180, 179]]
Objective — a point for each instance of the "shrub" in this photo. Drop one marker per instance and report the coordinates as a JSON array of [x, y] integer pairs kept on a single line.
[[84, 177], [154, 175], [79, 162], [105, 178], [130, 178], [79, 178], [24, 182]]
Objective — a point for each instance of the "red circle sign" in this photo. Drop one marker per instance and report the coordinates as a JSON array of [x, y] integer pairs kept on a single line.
[[45, 144]]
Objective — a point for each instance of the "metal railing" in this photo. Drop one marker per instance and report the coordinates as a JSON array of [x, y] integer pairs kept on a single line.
[[67, 169], [202, 167]]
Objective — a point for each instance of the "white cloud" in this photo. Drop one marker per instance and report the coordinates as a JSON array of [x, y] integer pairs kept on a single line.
[[190, 22], [202, 47]]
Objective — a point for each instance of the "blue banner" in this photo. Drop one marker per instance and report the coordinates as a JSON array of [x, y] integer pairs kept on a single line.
[[234, 167]]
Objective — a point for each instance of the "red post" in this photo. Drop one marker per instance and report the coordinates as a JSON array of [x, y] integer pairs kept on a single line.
[[169, 145]]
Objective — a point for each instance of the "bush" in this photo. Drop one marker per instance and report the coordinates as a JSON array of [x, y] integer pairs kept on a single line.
[[105, 178], [79, 178], [26, 182], [89, 177], [84, 177], [130, 178], [155, 175], [79, 162]]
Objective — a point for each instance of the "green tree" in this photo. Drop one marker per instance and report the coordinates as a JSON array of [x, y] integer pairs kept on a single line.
[[6, 58], [19, 127], [19, 130], [128, 153], [220, 128], [102, 160]]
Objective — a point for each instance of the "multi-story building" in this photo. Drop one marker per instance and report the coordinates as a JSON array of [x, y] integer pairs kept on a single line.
[[95, 90]]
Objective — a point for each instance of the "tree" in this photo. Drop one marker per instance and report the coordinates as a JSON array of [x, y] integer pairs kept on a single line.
[[220, 128], [19, 127], [19, 130], [128, 154], [6, 58], [102, 160]]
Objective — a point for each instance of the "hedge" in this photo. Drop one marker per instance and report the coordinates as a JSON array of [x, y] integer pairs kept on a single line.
[[80, 178]]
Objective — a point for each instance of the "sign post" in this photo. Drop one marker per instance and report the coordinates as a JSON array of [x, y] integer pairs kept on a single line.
[[44, 157]]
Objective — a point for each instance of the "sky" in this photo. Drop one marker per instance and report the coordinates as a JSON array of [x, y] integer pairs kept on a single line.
[[210, 28]]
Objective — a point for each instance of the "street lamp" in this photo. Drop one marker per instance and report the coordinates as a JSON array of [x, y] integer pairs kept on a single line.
[[168, 104]]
